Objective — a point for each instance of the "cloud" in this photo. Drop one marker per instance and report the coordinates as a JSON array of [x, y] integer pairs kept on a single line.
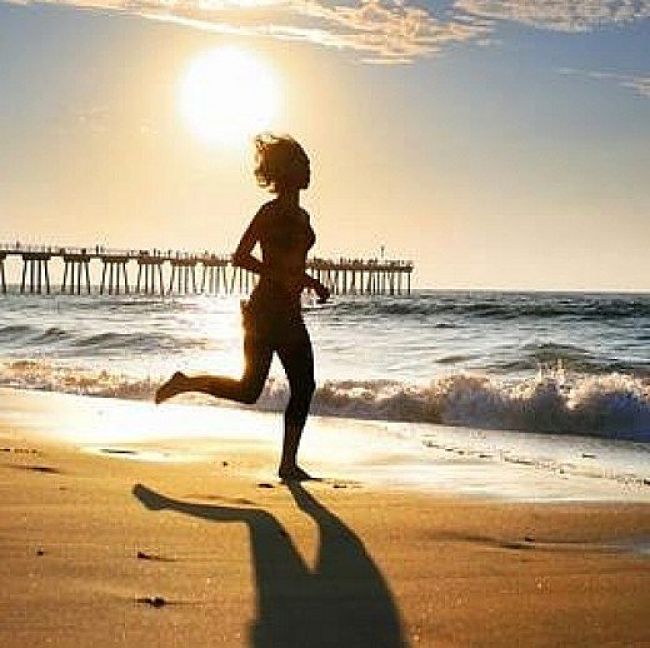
[[639, 84], [570, 16], [380, 31], [377, 31], [559, 15]]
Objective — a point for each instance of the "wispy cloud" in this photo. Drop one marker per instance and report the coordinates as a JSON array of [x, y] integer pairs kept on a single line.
[[559, 15], [380, 31], [570, 16], [638, 83], [377, 31]]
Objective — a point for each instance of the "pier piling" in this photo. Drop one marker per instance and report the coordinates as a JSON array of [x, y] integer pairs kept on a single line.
[[115, 277], [3, 280], [150, 273], [35, 270], [75, 265], [214, 274], [184, 272]]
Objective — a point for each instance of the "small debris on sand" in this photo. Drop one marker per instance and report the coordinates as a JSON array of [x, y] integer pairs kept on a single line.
[[153, 601], [143, 555]]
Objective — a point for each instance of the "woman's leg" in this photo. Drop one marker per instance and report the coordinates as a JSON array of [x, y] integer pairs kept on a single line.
[[257, 353], [297, 358]]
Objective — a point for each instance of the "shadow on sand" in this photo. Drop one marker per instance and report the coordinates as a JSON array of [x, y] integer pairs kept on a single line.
[[344, 601]]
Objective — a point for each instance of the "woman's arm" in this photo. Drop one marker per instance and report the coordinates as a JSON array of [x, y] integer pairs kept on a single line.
[[242, 257]]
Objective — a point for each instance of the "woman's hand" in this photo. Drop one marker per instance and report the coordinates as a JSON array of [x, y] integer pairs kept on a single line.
[[313, 284], [322, 291]]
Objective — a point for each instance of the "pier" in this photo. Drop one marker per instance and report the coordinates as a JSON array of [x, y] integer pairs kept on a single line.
[[174, 272]]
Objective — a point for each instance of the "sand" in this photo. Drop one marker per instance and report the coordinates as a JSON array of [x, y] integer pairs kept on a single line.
[[100, 550]]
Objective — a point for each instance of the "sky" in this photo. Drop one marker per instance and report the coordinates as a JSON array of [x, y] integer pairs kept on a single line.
[[499, 144]]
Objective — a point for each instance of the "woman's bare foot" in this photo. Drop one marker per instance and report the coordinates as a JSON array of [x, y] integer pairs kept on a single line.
[[294, 473], [175, 385]]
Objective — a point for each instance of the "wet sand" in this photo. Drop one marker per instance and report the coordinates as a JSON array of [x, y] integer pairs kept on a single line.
[[98, 549]]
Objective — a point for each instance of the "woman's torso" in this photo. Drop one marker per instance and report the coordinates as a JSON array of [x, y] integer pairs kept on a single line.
[[285, 239]]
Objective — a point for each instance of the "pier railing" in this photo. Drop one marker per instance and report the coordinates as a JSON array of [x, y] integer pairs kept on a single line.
[[170, 271]]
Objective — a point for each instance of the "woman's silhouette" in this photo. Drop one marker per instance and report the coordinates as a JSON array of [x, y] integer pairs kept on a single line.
[[272, 317]]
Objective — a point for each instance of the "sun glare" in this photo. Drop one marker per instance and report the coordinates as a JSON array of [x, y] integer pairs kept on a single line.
[[227, 95]]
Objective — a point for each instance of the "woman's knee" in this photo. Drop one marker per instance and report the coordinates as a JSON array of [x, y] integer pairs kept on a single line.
[[251, 390], [302, 388], [309, 387]]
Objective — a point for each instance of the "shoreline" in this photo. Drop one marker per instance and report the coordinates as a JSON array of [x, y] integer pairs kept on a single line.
[[387, 455]]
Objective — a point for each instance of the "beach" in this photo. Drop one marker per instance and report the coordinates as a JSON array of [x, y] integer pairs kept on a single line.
[[174, 541], [395, 251]]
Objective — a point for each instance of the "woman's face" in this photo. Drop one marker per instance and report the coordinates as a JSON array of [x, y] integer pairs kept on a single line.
[[302, 171]]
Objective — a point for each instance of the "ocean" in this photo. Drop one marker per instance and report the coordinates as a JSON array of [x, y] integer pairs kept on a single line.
[[545, 363]]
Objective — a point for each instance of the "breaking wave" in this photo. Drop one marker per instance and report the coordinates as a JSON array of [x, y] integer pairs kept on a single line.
[[611, 406]]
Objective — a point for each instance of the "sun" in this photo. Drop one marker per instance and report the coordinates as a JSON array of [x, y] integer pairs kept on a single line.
[[227, 95]]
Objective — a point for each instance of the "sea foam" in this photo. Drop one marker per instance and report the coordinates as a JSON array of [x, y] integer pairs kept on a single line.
[[611, 406]]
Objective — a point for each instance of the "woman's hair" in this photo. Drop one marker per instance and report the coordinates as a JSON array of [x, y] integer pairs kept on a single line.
[[279, 162]]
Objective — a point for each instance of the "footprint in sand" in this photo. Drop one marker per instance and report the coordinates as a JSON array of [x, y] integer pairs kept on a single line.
[[143, 555], [40, 469], [153, 601]]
